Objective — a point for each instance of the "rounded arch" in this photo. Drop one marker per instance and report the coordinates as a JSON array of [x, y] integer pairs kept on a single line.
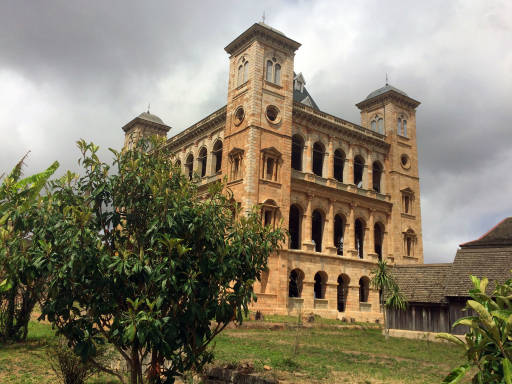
[[189, 165], [295, 282], [359, 163], [359, 229], [320, 284], [202, 161], [378, 238], [317, 228], [343, 284], [377, 169], [294, 226], [318, 158], [297, 151], [364, 289], [217, 155], [339, 164], [339, 232]]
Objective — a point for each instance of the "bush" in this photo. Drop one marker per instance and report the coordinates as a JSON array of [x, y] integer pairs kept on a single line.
[[68, 367]]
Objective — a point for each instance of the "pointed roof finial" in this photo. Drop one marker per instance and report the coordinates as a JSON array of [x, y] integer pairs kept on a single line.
[[149, 105], [387, 82], [263, 18]]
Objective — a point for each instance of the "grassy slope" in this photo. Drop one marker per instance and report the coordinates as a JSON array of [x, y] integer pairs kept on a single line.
[[325, 354]]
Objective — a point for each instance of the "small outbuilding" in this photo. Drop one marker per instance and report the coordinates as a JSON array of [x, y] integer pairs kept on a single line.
[[437, 293]]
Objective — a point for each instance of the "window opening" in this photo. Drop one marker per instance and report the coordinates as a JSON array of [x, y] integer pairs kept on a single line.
[[358, 171], [319, 287], [342, 292], [339, 230], [270, 169], [318, 159], [203, 153], [378, 236], [294, 227], [359, 237], [317, 230], [189, 165], [269, 70], [277, 75], [339, 163], [246, 71], [295, 283], [377, 176], [297, 151], [363, 289], [217, 155]]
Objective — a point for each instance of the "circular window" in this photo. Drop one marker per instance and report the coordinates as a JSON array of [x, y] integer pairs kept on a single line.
[[404, 160], [273, 114], [239, 115]]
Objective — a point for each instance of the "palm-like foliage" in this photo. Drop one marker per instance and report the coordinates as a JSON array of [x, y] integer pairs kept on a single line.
[[390, 297]]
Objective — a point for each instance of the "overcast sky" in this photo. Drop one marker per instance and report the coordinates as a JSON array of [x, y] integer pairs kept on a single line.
[[82, 69]]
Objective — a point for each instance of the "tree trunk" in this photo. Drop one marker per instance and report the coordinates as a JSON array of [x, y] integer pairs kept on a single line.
[[136, 368], [11, 305]]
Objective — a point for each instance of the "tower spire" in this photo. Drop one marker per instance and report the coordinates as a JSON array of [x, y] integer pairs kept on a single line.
[[263, 18], [387, 79]]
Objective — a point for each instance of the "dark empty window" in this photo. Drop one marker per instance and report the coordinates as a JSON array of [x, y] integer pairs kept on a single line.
[[359, 237], [342, 292], [202, 161], [377, 176], [217, 155], [339, 229], [339, 162], [270, 169], [364, 288], [358, 171], [319, 287], [317, 229], [294, 227], [318, 159], [189, 166], [295, 283], [297, 151], [378, 237]]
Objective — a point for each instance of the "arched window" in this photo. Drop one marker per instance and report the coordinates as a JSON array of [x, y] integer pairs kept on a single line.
[[294, 225], [319, 287], [270, 66], [339, 163], [380, 125], [217, 155], [373, 125], [203, 154], [359, 237], [295, 283], [378, 239], [404, 127], [377, 176], [358, 171], [240, 78], [246, 71], [409, 242], [277, 74], [339, 233], [297, 151], [343, 281], [364, 289], [189, 166], [318, 158], [399, 126], [317, 229], [177, 164]]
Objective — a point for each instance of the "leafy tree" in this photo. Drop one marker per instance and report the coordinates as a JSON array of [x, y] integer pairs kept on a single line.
[[21, 281], [142, 260], [389, 292], [488, 343]]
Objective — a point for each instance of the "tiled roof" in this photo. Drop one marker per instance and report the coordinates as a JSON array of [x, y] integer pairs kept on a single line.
[[500, 235], [422, 283], [494, 263], [383, 90], [305, 98]]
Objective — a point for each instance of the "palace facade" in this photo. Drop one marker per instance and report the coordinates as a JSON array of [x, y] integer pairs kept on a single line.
[[349, 194]]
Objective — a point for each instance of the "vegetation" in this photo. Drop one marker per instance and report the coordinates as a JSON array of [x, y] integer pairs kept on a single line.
[[21, 279], [488, 343], [390, 295], [150, 266], [327, 354]]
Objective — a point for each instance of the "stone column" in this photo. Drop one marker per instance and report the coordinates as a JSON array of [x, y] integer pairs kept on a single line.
[[370, 247], [369, 176], [328, 238], [349, 240], [348, 177], [307, 243], [330, 159], [309, 155]]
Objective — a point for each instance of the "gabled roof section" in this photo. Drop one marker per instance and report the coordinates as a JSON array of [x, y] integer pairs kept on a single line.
[[424, 283], [301, 94], [262, 31], [500, 235], [494, 263]]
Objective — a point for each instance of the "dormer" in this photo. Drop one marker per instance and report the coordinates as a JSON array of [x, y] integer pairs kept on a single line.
[[299, 83]]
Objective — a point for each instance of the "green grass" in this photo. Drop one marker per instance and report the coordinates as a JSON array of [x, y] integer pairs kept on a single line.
[[325, 354]]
